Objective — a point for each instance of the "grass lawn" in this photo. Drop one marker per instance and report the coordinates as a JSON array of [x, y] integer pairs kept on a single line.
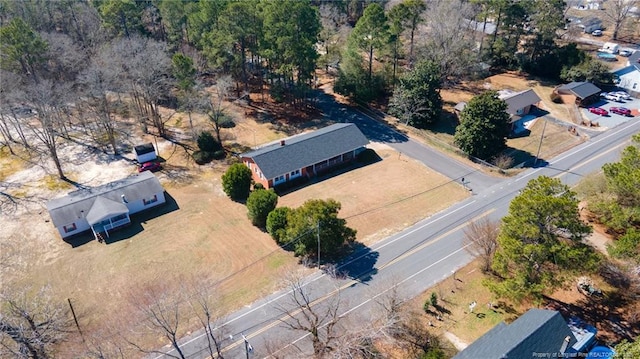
[[200, 236], [454, 296], [556, 140]]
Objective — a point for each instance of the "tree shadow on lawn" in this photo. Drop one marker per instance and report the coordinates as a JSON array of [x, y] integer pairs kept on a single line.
[[524, 159], [135, 227], [605, 313]]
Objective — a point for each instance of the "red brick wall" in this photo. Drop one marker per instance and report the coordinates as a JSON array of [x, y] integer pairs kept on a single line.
[[254, 174]]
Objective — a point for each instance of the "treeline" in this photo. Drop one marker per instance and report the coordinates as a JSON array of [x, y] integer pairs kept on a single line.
[[99, 67]]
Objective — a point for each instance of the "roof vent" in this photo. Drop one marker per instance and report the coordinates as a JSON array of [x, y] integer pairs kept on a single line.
[[281, 142], [565, 344], [124, 199]]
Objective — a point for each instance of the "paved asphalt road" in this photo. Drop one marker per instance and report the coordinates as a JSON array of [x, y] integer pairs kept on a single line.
[[410, 261]]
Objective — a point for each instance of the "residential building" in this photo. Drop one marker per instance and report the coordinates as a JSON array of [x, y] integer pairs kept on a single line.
[[519, 103], [537, 331], [629, 76], [305, 155], [580, 93], [107, 207]]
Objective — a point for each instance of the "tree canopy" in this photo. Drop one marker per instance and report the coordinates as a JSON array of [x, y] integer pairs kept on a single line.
[[627, 350], [617, 206], [236, 181], [416, 100], [304, 225], [539, 241], [484, 126], [259, 204]]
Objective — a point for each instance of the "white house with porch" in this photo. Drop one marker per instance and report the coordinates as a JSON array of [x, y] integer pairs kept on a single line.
[[107, 207]]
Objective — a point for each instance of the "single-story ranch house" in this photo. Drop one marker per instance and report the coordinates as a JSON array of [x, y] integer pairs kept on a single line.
[[308, 154], [519, 103], [106, 207], [580, 93]]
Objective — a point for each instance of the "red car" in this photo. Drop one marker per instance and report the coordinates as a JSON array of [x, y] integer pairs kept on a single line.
[[598, 111], [621, 111], [150, 166]]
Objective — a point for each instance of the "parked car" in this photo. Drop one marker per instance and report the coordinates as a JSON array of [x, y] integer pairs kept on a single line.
[[622, 94], [150, 166], [613, 97], [598, 111], [621, 111], [625, 53], [596, 33]]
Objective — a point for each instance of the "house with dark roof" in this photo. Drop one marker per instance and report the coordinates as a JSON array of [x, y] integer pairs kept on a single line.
[[519, 103], [305, 155], [537, 331], [582, 93], [629, 76], [107, 207]]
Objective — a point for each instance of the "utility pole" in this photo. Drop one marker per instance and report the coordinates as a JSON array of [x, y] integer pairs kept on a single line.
[[318, 235], [540, 144]]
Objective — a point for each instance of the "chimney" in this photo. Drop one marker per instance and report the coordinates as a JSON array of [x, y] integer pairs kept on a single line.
[[281, 142], [124, 199]]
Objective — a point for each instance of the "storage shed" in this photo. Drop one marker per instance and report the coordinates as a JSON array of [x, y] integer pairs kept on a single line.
[[145, 153]]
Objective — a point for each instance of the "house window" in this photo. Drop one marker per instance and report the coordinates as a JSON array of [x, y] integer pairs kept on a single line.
[[70, 228], [278, 179], [150, 200], [294, 174]]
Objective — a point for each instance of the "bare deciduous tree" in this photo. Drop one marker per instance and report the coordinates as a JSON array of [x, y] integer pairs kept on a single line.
[[222, 89], [97, 80], [448, 43], [481, 240], [147, 66], [31, 323], [161, 311], [203, 305], [318, 318], [48, 102], [618, 11]]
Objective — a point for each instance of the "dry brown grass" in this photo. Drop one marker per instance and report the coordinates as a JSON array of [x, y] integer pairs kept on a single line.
[[209, 233], [10, 164], [556, 140], [384, 197], [455, 294]]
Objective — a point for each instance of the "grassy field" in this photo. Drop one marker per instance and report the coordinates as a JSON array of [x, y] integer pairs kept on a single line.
[[200, 236], [454, 296]]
